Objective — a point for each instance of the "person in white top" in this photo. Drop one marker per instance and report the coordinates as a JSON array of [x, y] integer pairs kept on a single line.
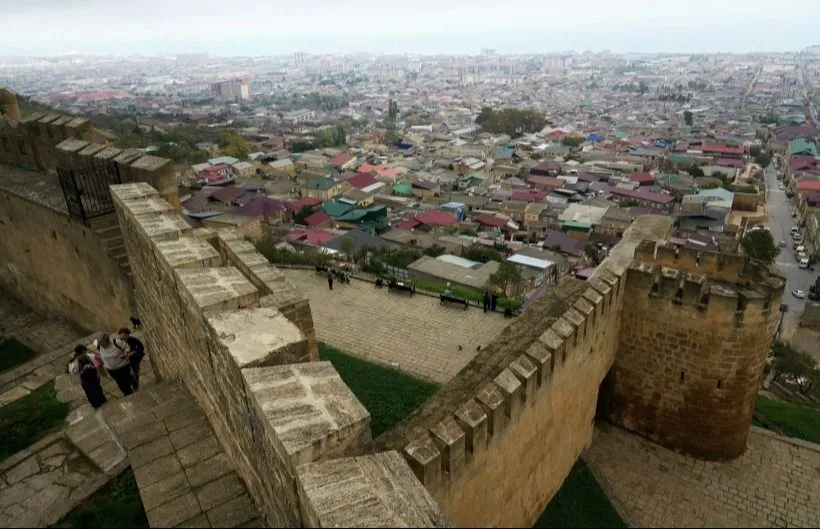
[[114, 354]]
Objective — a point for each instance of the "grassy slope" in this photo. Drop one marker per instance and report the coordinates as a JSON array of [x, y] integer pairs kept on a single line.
[[797, 421], [13, 354], [580, 502], [389, 395], [29, 419]]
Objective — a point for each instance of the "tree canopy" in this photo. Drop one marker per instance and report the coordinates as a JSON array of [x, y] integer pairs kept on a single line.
[[759, 244], [512, 121], [796, 366], [507, 275]]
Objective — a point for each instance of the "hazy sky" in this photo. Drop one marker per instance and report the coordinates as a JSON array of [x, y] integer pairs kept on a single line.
[[257, 27]]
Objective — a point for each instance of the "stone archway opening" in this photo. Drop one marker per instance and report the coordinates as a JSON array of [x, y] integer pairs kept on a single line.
[[605, 389]]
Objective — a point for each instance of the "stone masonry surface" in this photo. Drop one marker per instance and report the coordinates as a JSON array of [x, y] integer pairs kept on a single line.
[[183, 474], [52, 338], [414, 334], [775, 483], [41, 484], [270, 406]]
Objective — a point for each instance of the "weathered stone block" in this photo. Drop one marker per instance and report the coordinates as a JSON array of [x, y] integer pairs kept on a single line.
[[188, 252], [258, 337], [450, 440], [473, 421], [216, 289], [492, 401], [526, 371], [310, 412], [511, 389], [378, 490], [425, 461]]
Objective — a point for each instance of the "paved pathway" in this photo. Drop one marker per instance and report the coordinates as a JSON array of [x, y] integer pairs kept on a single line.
[[183, 474], [52, 339], [40, 485], [415, 334], [776, 483]]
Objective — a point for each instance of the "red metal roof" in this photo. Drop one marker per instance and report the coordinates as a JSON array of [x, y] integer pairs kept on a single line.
[[808, 185], [642, 178], [548, 181], [640, 194], [435, 218], [408, 224], [489, 220], [361, 180], [722, 148], [340, 159], [316, 218], [297, 205], [316, 238]]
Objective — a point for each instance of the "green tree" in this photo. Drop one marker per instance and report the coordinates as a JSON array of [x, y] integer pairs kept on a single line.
[[435, 250], [594, 254], [798, 367], [759, 244], [482, 255], [687, 117], [696, 171], [506, 276], [302, 214], [347, 247], [512, 121], [572, 141], [235, 145]]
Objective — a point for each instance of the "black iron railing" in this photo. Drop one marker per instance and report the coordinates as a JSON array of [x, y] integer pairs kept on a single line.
[[86, 189]]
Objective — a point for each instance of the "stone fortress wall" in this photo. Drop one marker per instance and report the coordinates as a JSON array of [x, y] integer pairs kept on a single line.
[[57, 264], [695, 333], [495, 443]]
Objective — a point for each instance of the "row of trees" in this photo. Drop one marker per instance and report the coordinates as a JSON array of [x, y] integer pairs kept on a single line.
[[788, 364], [332, 136], [512, 121]]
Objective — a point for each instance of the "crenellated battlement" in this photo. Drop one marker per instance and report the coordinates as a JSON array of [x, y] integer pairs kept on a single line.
[[45, 141], [729, 268], [226, 323]]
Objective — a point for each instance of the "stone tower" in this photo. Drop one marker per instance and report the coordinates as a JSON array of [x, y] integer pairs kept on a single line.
[[9, 106], [695, 333]]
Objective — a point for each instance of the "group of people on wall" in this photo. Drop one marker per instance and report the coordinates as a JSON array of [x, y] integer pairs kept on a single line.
[[116, 356]]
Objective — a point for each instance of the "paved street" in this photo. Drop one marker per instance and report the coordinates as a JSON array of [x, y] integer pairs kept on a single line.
[[775, 483], [778, 210]]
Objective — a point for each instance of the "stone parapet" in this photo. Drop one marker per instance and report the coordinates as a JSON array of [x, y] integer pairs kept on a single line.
[[219, 318]]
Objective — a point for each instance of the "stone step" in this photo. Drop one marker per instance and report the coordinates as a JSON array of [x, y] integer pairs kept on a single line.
[[88, 430], [183, 474]]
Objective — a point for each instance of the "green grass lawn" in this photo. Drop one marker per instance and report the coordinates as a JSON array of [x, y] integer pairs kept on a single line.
[[795, 420], [580, 502], [13, 353], [28, 419], [389, 395], [118, 504]]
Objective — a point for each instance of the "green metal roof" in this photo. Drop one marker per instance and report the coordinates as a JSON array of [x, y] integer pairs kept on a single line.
[[801, 146], [619, 134], [557, 149], [335, 209], [575, 225], [680, 158], [403, 189]]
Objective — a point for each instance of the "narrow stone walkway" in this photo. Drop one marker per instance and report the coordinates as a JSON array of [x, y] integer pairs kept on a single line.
[[53, 340], [776, 483], [183, 474], [40, 485]]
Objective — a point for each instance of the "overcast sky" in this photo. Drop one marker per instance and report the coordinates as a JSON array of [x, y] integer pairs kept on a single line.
[[259, 27]]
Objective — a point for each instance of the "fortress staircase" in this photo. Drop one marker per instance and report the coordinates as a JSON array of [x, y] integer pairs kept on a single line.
[[183, 474], [107, 230]]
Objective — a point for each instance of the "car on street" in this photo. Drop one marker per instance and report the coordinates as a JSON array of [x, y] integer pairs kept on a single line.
[[782, 244], [799, 294]]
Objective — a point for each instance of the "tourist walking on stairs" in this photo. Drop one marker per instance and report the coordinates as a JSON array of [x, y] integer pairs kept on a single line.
[[89, 377], [136, 352], [114, 354]]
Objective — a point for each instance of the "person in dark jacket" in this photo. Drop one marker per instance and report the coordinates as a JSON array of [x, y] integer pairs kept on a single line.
[[493, 301], [89, 377], [136, 352], [330, 280], [486, 300]]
